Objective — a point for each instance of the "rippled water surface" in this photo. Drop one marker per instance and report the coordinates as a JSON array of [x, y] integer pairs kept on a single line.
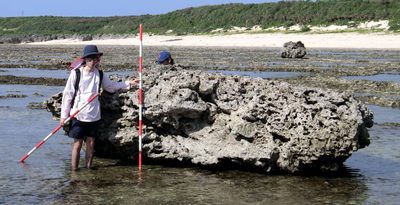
[[372, 175], [260, 74], [385, 77], [36, 73], [385, 114], [61, 74]]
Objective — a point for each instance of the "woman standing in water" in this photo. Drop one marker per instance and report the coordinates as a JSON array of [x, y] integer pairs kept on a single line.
[[83, 83]]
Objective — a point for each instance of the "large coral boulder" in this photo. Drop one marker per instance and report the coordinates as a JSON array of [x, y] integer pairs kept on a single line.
[[293, 50], [208, 119]]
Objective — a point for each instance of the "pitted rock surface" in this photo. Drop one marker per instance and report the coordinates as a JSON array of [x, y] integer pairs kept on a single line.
[[293, 50], [209, 119]]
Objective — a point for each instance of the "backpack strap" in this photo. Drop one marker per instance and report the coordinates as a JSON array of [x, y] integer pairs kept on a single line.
[[101, 79], [76, 86]]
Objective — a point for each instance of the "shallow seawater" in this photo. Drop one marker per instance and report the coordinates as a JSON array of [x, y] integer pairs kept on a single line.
[[36, 73], [371, 175], [62, 74], [383, 77], [385, 114], [261, 74]]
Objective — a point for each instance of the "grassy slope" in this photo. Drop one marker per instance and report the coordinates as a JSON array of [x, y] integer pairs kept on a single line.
[[207, 18]]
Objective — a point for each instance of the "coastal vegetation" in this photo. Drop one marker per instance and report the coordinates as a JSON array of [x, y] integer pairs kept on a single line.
[[206, 19]]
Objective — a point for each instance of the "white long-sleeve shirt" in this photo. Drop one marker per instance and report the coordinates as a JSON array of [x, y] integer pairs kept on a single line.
[[88, 86]]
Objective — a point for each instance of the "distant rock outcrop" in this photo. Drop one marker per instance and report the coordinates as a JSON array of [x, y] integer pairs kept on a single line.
[[208, 119], [293, 50]]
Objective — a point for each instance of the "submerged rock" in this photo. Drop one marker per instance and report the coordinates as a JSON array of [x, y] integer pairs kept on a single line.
[[293, 50], [13, 96], [36, 105], [209, 119]]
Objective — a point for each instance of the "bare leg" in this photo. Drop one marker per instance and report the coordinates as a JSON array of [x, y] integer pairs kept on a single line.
[[89, 151], [76, 149]]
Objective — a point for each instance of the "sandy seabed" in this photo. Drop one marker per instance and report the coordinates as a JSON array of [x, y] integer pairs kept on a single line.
[[330, 40]]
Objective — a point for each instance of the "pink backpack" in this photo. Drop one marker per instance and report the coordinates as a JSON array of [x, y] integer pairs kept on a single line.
[[76, 63]]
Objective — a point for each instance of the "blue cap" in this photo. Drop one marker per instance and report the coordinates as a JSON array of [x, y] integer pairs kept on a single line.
[[164, 55], [90, 50]]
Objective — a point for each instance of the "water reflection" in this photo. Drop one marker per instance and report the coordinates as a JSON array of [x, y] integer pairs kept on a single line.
[[384, 77], [35, 73], [334, 65], [59, 74], [385, 114], [166, 185], [370, 176], [34, 93], [63, 74], [260, 74], [380, 165]]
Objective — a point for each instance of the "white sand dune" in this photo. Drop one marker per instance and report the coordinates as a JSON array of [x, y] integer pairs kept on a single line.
[[330, 40]]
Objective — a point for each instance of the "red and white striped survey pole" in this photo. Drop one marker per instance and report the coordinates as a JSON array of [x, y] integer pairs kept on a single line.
[[140, 99], [57, 128]]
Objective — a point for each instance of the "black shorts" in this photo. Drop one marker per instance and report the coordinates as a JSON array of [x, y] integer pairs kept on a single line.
[[81, 130]]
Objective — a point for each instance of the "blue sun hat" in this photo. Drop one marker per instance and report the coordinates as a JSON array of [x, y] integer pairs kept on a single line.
[[91, 50], [164, 55]]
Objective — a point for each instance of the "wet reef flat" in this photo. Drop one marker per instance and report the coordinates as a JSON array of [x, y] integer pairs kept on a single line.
[[328, 68]]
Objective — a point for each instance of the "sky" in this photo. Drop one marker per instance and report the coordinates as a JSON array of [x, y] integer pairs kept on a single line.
[[16, 8]]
